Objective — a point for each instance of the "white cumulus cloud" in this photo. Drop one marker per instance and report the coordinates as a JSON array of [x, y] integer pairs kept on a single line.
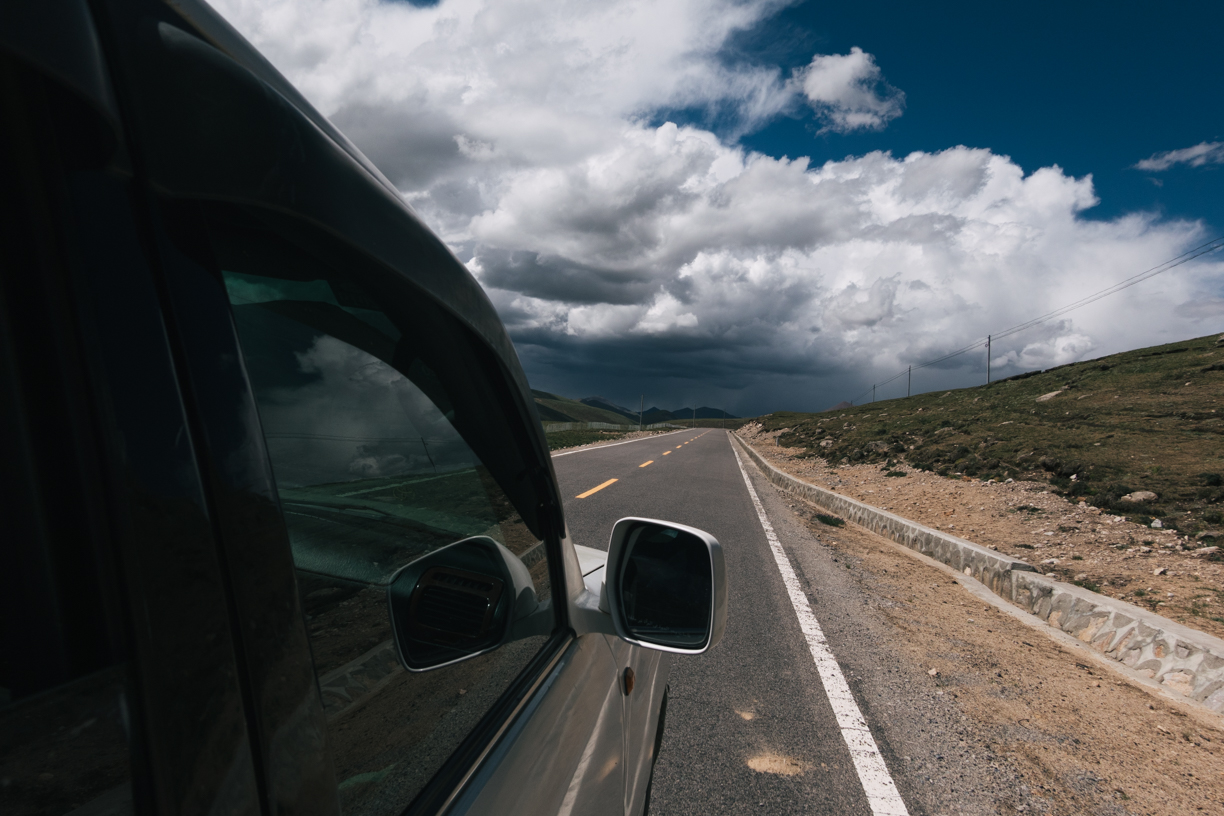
[[849, 92], [626, 252]]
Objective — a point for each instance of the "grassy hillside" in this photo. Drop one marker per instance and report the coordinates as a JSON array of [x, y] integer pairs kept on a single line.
[[1150, 419], [560, 409]]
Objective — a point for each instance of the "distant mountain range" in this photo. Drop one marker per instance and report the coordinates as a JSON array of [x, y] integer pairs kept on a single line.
[[555, 408]]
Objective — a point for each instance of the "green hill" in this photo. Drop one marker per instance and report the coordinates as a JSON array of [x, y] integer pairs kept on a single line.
[[1150, 419], [554, 408]]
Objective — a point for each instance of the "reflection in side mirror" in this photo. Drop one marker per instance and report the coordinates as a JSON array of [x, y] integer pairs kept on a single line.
[[666, 586], [458, 602]]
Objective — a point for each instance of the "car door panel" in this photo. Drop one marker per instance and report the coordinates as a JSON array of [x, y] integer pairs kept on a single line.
[[641, 712], [564, 753]]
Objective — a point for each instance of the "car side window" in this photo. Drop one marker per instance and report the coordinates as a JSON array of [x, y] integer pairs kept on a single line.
[[372, 475]]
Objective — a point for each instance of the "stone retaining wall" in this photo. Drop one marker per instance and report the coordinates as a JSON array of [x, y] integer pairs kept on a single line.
[[1180, 658]]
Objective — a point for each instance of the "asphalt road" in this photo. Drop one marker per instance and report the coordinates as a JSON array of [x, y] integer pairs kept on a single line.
[[750, 728]]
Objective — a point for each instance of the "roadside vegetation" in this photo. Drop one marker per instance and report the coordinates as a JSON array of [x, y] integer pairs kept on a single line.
[[572, 439], [730, 423], [1145, 420]]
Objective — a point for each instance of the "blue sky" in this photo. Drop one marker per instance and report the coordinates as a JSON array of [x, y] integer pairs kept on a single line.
[[1090, 87], [625, 178]]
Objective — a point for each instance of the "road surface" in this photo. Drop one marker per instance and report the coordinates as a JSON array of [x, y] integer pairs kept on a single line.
[[750, 727]]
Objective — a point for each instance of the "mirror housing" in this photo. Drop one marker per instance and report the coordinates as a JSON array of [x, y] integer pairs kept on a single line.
[[460, 601], [665, 586]]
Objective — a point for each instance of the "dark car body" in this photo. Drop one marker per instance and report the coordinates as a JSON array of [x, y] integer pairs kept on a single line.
[[281, 529]]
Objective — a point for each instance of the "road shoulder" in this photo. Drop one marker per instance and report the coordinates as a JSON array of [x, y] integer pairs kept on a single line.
[[1014, 722]]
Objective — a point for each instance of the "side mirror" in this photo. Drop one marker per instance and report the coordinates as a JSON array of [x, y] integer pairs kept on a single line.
[[666, 586], [461, 601]]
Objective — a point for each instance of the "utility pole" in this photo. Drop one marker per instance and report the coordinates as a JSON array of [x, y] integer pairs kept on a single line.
[[988, 359], [873, 393], [694, 417], [909, 380], [641, 405]]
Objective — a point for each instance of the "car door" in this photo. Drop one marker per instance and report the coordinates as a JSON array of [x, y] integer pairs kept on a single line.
[[358, 408], [298, 396]]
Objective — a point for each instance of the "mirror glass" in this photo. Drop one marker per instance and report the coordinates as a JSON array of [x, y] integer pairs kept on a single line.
[[455, 603], [666, 587]]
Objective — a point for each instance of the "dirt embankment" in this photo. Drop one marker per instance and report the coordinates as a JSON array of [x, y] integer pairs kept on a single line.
[[1075, 542]]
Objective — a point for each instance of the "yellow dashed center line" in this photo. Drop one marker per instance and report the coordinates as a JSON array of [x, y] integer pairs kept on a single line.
[[595, 489], [678, 447], [667, 453], [644, 464]]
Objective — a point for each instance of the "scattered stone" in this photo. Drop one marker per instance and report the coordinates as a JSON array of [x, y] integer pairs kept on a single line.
[[1049, 396], [1139, 496], [1206, 550], [1049, 562], [934, 672], [1083, 576], [1161, 571]]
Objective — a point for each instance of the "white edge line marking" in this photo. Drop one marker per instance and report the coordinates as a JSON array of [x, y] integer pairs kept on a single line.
[[614, 444], [882, 794]]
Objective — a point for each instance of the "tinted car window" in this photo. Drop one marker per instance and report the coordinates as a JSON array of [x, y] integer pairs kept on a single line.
[[372, 475]]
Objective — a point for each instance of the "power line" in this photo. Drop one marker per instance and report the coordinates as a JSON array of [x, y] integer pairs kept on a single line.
[[1185, 257]]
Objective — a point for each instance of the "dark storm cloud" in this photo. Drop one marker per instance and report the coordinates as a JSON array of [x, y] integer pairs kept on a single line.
[[558, 279]]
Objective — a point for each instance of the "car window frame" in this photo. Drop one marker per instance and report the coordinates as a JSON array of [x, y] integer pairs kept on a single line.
[[460, 768]]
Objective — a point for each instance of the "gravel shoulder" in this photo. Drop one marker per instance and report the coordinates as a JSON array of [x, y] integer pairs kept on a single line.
[[1060, 735], [1157, 569], [991, 716]]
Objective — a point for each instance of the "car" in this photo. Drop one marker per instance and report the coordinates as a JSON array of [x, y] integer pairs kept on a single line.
[[282, 532]]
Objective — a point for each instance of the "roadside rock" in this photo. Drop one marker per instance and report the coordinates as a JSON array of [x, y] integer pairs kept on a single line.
[[1049, 396], [1139, 496]]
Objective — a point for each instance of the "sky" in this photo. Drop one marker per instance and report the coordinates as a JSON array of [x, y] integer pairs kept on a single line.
[[759, 205]]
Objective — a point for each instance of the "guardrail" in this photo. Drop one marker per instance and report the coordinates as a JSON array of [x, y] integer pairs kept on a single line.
[[553, 427]]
